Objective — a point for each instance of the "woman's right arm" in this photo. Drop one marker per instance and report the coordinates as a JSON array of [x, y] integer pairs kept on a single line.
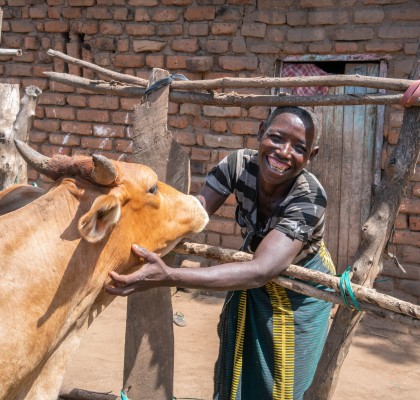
[[210, 199]]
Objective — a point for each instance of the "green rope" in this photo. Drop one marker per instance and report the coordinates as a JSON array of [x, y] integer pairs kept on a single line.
[[345, 289]]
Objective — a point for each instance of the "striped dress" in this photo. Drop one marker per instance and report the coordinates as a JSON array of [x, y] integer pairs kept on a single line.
[[271, 338]]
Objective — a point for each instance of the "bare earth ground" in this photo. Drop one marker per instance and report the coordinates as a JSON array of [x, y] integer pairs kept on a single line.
[[381, 365]]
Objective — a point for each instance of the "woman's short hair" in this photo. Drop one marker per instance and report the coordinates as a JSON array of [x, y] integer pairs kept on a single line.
[[307, 115]]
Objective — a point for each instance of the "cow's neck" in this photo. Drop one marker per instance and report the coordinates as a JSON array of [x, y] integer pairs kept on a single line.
[[56, 288]]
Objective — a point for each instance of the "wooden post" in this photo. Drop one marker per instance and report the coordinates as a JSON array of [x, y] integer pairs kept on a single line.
[[15, 123], [368, 259], [149, 343]]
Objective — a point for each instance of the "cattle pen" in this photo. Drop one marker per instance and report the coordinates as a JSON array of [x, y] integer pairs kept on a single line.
[[375, 231]]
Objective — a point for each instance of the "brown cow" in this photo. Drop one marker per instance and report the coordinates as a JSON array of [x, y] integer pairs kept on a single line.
[[57, 251]]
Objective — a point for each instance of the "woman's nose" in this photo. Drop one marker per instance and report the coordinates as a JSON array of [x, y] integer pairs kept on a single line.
[[285, 149]]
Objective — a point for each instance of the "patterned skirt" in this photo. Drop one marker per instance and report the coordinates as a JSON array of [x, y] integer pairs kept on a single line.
[[271, 340]]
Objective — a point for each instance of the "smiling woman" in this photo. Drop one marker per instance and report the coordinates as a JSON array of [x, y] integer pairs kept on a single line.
[[270, 338]]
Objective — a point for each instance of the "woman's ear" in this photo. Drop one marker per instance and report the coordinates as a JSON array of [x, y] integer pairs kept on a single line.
[[314, 152], [261, 131]]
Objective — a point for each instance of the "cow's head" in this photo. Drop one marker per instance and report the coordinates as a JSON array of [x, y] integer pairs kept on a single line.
[[130, 198]]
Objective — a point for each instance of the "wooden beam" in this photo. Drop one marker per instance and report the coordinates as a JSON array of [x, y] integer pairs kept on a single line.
[[368, 259], [382, 303], [225, 99]]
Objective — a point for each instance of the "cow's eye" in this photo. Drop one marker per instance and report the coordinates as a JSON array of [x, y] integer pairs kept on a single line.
[[153, 189]]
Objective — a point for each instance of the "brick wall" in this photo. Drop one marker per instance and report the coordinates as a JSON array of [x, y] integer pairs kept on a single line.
[[202, 40]]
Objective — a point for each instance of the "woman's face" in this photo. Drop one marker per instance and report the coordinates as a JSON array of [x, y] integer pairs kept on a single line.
[[285, 148]]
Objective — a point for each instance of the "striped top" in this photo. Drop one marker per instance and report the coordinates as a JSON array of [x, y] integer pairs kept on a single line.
[[300, 215]]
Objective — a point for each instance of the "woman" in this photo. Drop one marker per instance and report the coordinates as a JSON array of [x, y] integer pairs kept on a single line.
[[270, 338]]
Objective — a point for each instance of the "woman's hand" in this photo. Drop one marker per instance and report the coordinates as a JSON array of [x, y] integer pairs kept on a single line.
[[151, 274]]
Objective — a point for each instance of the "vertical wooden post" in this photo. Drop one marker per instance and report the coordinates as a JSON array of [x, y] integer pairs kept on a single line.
[[368, 259], [149, 346]]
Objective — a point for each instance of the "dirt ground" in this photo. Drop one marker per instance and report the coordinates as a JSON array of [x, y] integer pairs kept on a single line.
[[381, 365]]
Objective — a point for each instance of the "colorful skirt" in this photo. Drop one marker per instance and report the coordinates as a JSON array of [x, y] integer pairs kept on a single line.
[[271, 340]]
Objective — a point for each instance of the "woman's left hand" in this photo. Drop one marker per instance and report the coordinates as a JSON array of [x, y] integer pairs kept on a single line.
[[152, 273]]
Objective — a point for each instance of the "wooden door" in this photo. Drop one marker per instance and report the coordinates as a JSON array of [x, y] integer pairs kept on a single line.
[[344, 165]]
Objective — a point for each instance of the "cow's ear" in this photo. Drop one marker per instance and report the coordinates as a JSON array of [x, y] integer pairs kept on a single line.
[[98, 222]]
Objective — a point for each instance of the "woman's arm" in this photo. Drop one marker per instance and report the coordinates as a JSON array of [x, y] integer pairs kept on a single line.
[[275, 253]]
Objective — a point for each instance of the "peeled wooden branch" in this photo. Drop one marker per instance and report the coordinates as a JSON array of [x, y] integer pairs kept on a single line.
[[382, 302], [80, 394], [125, 78], [225, 99], [243, 83], [10, 52]]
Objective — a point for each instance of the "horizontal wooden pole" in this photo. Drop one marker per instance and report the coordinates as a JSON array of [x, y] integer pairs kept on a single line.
[[225, 99], [10, 52], [243, 83], [363, 294], [67, 393]]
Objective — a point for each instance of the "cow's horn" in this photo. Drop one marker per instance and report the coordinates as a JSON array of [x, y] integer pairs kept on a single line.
[[36, 160], [104, 172]]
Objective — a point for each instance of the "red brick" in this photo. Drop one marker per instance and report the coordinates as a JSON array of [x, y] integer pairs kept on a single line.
[[222, 112], [230, 142], [212, 239], [22, 26], [81, 128], [81, 3], [85, 27], [176, 62], [64, 140], [200, 154], [93, 115], [38, 137], [306, 34], [184, 137], [169, 29], [185, 45], [173, 108], [190, 109], [125, 146], [407, 237], [244, 127], [231, 242], [416, 190], [47, 125], [121, 14], [399, 31], [224, 28], [410, 206], [199, 13], [96, 143], [367, 15], [176, 2], [155, 61], [383, 47], [221, 226], [346, 47], [410, 48], [76, 100], [140, 29], [401, 221], [52, 98], [144, 3], [320, 47], [264, 48], [123, 45], [60, 113], [165, 14], [254, 29], [129, 61], [179, 122], [12, 41], [72, 12], [50, 151], [325, 17], [219, 126], [103, 102], [129, 104], [18, 70], [148, 46], [353, 34], [237, 63], [98, 13], [198, 29], [402, 13], [296, 18], [199, 63], [270, 17], [39, 11], [121, 117], [414, 223], [251, 143], [54, 12], [108, 130], [110, 28], [56, 26], [141, 15], [411, 254], [315, 3], [27, 57]]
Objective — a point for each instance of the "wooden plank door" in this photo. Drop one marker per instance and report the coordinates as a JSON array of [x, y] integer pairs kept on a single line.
[[344, 166]]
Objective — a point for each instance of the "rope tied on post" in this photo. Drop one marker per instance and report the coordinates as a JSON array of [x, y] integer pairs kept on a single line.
[[346, 291]]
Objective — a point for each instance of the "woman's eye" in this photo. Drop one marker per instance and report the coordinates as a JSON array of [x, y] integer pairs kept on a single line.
[[153, 189]]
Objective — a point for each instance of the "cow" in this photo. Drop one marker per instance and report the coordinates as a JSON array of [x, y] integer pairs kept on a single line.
[[57, 251], [16, 196]]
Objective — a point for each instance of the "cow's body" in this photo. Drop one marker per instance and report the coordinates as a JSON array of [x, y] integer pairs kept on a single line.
[[51, 277]]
